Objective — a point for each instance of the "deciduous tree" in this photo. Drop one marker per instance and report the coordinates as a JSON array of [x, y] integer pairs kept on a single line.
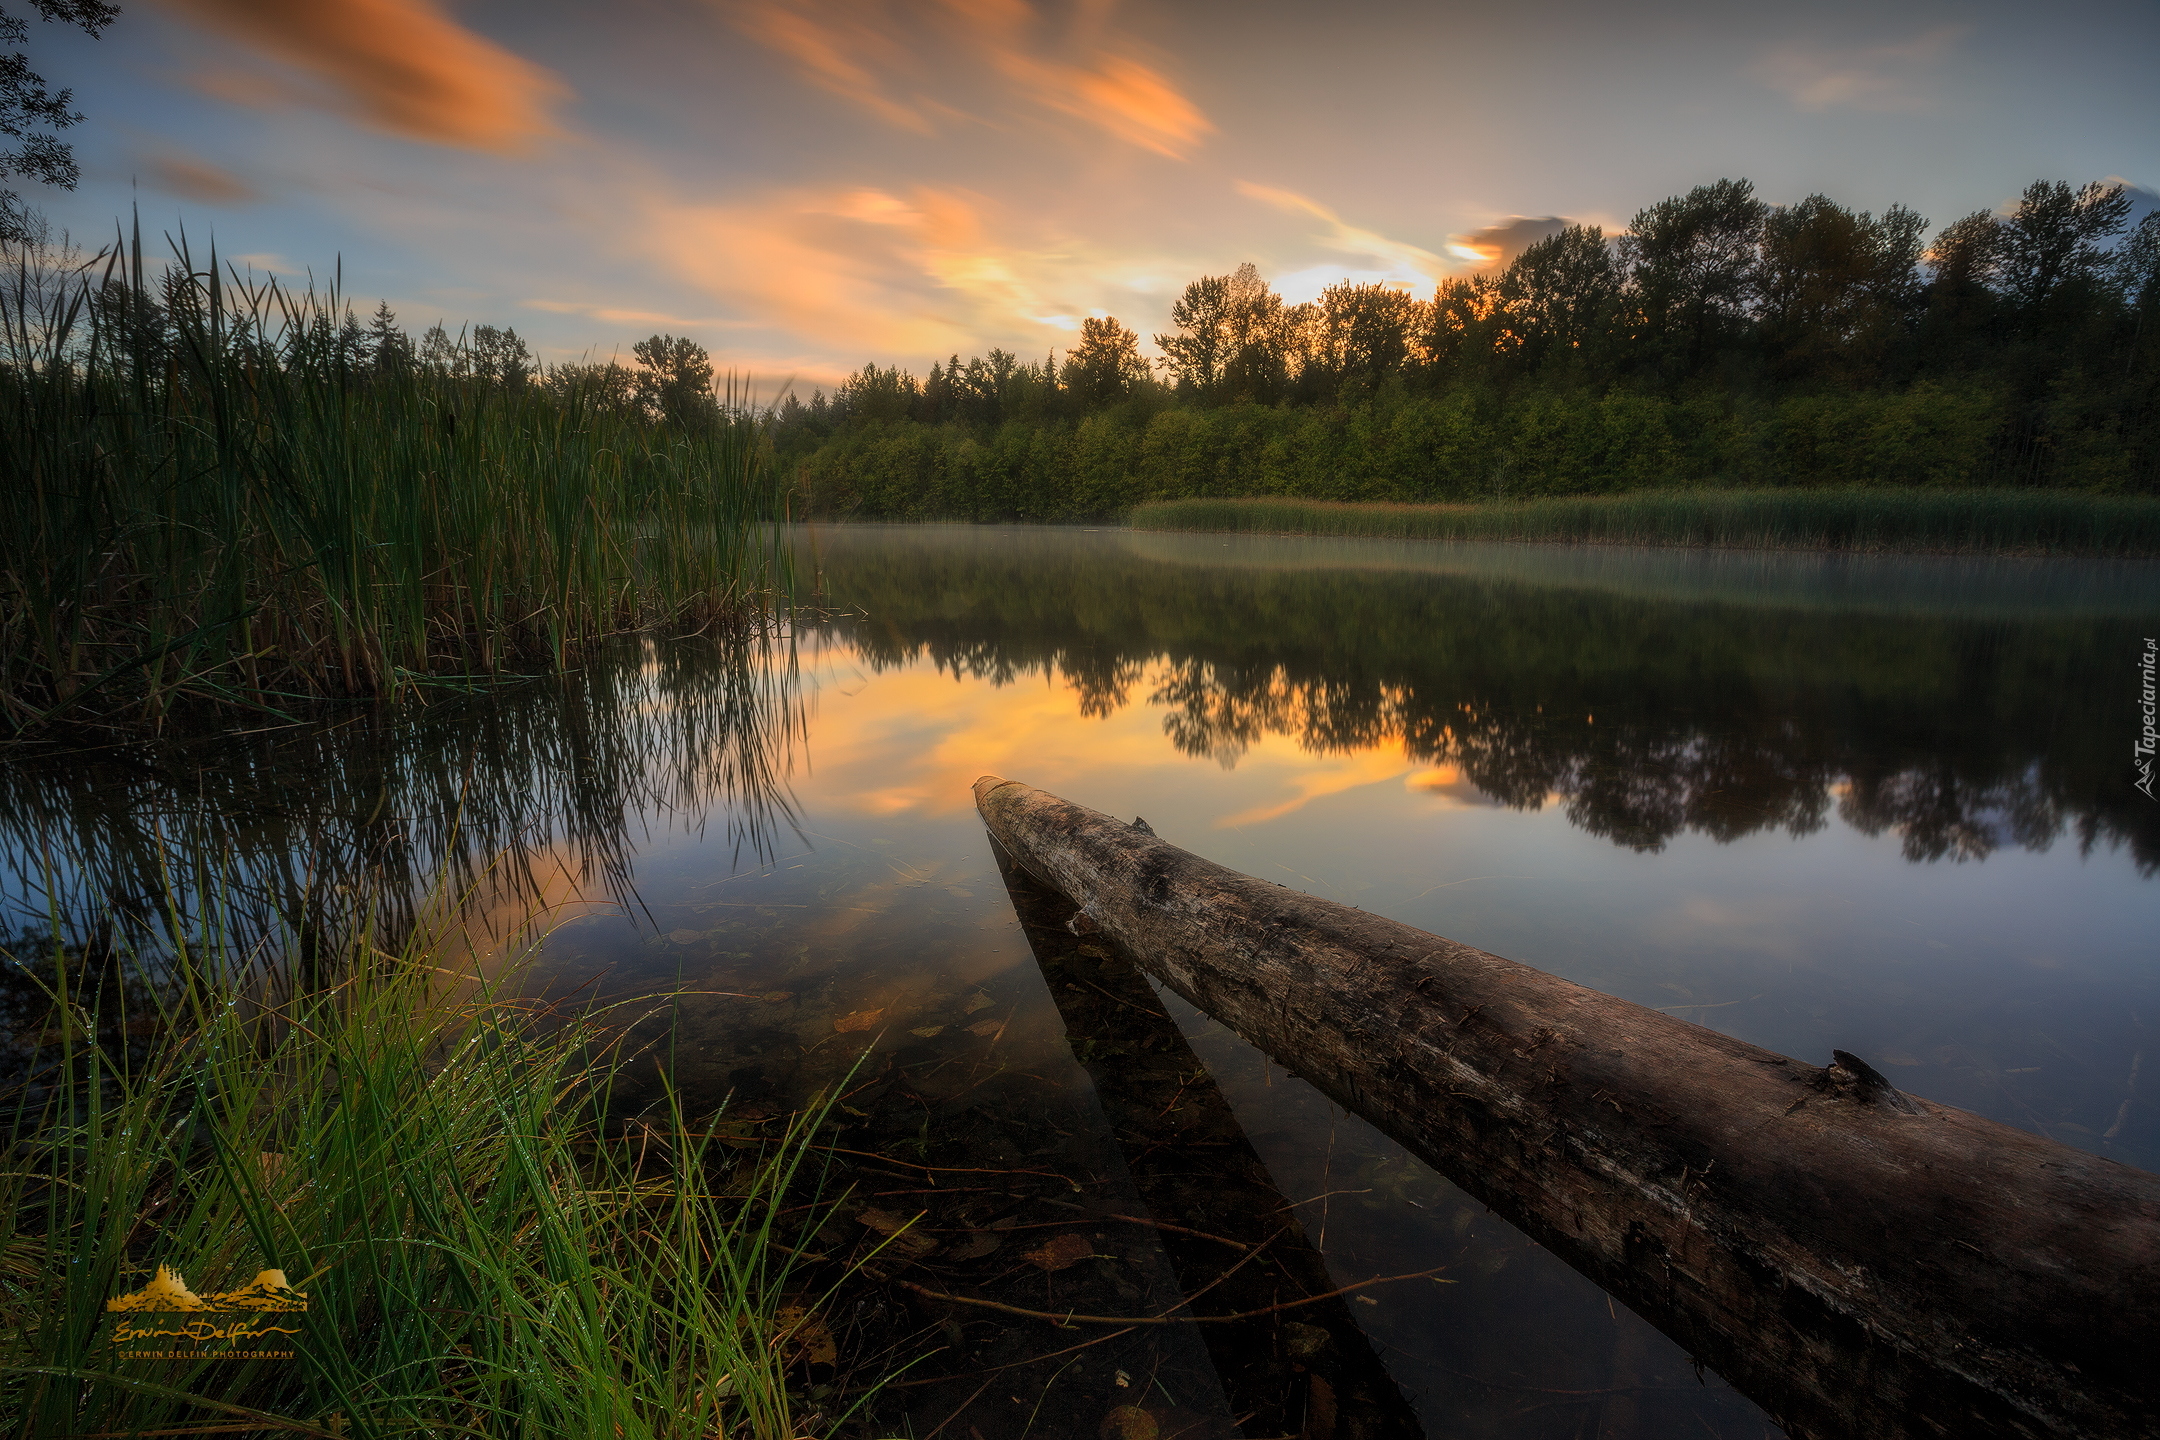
[[1105, 367], [1364, 334], [1561, 295], [30, 111], [500, 356], [678, 377], [1691, 265], [2052, 239], [1832, 284], [1194, 354]]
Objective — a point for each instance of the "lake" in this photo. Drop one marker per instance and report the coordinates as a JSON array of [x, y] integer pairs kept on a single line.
[[1876, 804]]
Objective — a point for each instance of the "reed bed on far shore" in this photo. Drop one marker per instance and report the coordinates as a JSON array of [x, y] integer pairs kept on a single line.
[[431, 1163], [2014, 522], [214, 492]]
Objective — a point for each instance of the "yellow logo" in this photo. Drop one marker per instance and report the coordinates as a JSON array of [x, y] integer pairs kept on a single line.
[[233, 1316]]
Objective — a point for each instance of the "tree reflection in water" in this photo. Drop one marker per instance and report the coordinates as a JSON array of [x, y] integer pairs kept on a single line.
[[1961, 705]]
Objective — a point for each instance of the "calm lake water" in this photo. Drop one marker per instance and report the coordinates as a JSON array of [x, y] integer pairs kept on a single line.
[[1882, 805]]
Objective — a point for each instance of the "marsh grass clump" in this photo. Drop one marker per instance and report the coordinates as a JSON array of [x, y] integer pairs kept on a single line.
[[219, 492], [2041, 522], [430, 1161]]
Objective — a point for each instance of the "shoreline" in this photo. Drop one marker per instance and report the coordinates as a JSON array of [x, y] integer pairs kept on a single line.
[[1621, 542], [2009, 524]]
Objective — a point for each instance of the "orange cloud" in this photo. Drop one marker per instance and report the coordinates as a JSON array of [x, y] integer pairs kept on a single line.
[[619, 316], [822, 49], [1124, 97], [863, 54], [402, 65], [193, 179], [865, 270]]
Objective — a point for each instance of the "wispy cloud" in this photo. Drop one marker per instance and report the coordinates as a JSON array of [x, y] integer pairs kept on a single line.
[[402, 66], [267, 260], [835, 51], [616, 316], [901, 65], [872, 272], [1890, 77], [199, 180], [1398, 259]]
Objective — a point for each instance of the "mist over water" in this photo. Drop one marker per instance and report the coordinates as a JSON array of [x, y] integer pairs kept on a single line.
[[1882, 805]]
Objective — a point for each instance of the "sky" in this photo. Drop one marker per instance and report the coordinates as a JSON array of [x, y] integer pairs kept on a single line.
[[804, 186]]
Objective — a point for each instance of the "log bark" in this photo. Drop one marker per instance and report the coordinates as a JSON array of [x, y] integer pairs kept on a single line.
[[1859, 1262]]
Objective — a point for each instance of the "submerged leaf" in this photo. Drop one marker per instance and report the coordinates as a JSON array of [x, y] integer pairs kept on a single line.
[[985, 1027], [686, 937], [899, 1240], [1061, 1252], [977, 1001], [926, 1031], [882, 1221], [976, 1247], [910, 1245], [860, 1020], [806, 1334]]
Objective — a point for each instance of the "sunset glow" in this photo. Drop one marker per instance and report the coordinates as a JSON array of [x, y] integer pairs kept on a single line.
[[873, 762], [807, 185]]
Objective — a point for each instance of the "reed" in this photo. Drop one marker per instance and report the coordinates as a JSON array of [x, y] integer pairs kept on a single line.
[[210, 494], [432, 1161], [2049, 522]]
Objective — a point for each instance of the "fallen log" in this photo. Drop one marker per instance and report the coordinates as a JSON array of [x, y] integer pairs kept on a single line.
[[1860, 1262]]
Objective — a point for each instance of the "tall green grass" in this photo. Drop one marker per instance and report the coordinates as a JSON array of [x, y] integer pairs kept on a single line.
[[206, 499], [431, 1160], [1966, 521]]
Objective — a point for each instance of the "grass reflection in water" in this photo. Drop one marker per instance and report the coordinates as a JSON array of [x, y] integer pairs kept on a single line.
[[515, 798]]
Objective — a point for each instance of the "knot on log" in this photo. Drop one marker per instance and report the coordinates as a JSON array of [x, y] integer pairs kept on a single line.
[[1142, 826], [1849, 1075]]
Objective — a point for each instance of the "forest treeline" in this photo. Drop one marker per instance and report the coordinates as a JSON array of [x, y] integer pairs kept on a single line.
[[1719, 340]]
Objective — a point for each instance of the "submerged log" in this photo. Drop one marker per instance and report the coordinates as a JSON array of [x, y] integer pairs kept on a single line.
[[1860, 1262], [1135, 1055]]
